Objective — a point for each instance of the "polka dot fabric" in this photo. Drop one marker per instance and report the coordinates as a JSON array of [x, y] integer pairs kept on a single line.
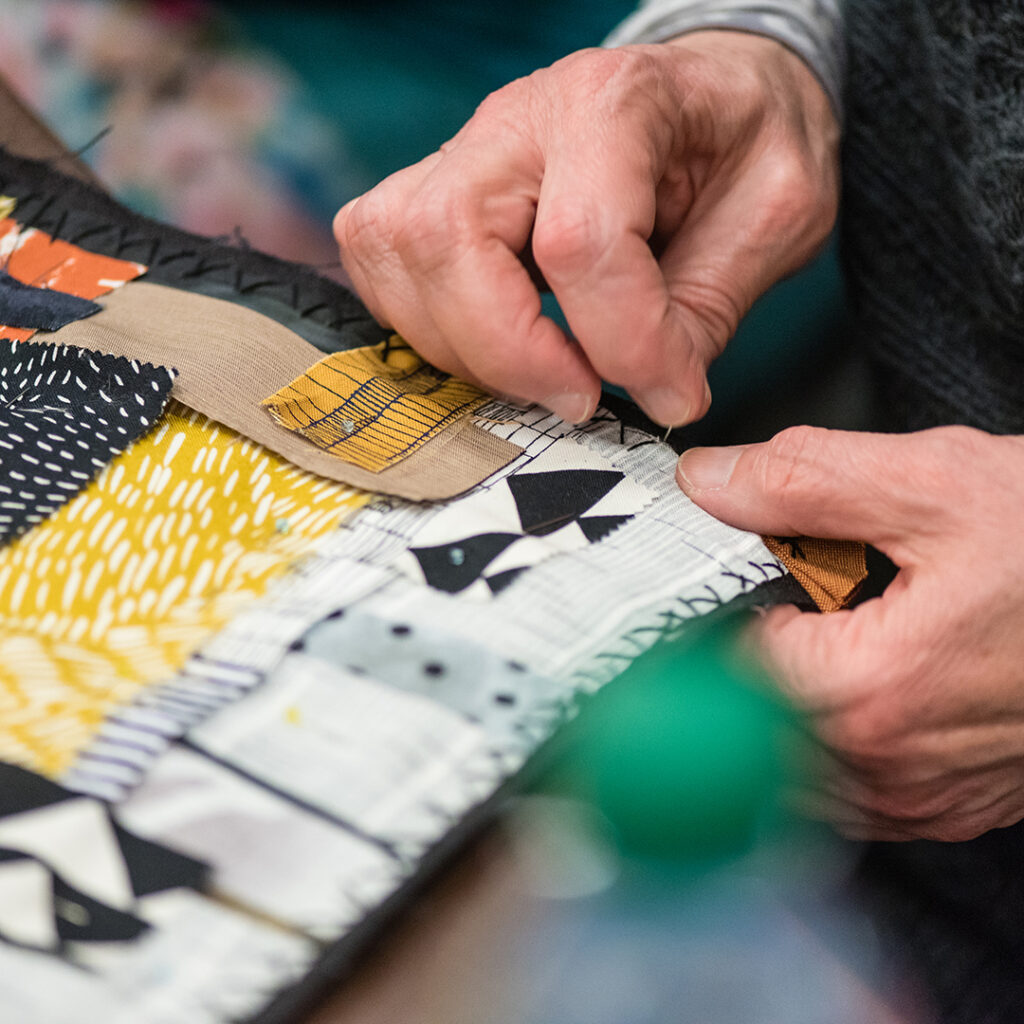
[[113, 593], [64, 414]]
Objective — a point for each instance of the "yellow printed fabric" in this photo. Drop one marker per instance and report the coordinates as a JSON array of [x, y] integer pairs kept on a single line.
[[113, 592], [373, 406]]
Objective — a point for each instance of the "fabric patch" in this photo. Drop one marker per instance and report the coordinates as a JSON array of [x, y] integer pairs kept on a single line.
[[112, 593], [318, 309], [373, 406], [36, 259], [384, 763], [22, 305], [831, 571], [69, 873], [501, 695], [64, 413], [242, 357], [298, 868], [565, 499]]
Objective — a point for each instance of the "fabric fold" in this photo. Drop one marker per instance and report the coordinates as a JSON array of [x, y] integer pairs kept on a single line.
[[831, 571]]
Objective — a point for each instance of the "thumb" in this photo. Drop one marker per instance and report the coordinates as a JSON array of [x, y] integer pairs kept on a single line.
[[821, 483]]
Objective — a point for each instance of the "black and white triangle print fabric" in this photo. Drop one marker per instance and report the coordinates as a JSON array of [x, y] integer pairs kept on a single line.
[[564, 499], [64, 414], [70, 874]]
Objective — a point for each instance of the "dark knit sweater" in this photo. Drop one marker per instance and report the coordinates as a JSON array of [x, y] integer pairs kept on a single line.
[[934, 205], [934, 240]]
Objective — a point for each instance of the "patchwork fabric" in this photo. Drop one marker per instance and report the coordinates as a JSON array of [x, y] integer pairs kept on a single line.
[[565, 498], [98, 923], [320, 310], [34, 258], [580, 614], [387, 765], [300, 869], [111, 594], [374, 406], [69, 873], [22, 305], [64, 413], [501, 695], [229, 358], [831, 571], [364, 715]]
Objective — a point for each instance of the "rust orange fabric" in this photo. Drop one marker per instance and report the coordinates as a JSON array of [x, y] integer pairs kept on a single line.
[[831, 571], [34, 258]]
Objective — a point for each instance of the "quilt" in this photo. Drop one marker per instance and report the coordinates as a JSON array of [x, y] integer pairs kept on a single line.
[[247, 708]]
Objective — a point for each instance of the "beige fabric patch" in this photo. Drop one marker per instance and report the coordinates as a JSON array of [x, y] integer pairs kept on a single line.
[[229, 358]]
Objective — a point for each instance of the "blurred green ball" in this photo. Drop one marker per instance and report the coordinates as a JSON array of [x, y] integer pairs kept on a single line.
[[684, 754]]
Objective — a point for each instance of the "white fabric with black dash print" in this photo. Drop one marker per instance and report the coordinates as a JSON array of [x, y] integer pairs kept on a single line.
[[64, 414]]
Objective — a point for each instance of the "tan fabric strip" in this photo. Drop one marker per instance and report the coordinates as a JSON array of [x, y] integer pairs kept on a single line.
[[25, 135], [831, 571], [228, 358]]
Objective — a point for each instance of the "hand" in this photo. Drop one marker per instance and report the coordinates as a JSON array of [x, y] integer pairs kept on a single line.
[[659, 190], [918, 696]]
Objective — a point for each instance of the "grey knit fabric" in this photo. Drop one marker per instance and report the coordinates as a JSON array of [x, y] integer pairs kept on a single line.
[[811, 28], [934, 205]]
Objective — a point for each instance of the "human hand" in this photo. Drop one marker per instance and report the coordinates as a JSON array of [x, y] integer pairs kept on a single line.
[[659, 190], [916, 696]]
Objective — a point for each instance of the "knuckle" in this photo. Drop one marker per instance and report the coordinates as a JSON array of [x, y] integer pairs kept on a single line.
[[713, 306], [797, 199], [367, 224], [599, 71], [567, 240], [958, 442], [871, 731], [788, 461], [431, 226], [907, 806]]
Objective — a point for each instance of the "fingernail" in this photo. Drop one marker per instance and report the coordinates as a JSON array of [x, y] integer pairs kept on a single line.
[[573, 407], [707, 469], [666, 406]]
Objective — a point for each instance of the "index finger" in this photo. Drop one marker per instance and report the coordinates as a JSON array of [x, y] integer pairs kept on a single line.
[[596, 211]]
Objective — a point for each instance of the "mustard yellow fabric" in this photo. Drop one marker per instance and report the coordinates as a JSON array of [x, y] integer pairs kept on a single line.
[[373, 406], [114, 591]]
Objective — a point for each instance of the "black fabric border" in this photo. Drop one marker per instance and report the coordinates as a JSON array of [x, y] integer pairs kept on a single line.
[[325, 313]]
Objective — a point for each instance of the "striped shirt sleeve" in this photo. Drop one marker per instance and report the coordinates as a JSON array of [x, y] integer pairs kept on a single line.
[[811, 28]]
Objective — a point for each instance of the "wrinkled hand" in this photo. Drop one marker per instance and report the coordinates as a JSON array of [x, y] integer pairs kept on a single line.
[[918, 696], [658, 190]]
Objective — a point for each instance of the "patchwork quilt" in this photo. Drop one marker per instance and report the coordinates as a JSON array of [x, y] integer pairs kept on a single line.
[[245, 704]]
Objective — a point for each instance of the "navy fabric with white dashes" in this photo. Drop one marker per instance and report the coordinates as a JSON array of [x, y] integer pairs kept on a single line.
[[64, 414]]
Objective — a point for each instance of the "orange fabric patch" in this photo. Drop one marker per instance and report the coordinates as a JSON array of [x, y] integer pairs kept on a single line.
[[33, 257], [831, 571]]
